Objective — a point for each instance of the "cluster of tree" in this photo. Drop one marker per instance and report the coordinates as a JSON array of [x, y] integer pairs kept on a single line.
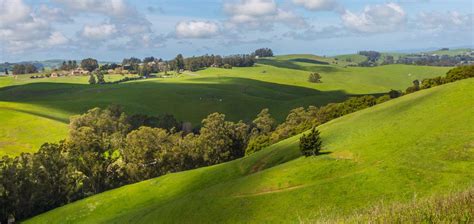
[[435, 60], [388, 60], [89, 64], [455, 74], [206, 61], [264, 52], [314, 77], [143, 68], [106, 67], [5, 67], [69, 65], [99, 80], [106, 149], [372, 58], [265, 132], [27, 68], [131, 61]]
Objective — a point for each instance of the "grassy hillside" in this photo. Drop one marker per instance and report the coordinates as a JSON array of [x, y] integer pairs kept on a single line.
[[416, 146], [240, 93]]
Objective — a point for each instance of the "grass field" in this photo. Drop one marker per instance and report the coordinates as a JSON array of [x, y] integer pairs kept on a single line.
[[45, 105], [415, 146]]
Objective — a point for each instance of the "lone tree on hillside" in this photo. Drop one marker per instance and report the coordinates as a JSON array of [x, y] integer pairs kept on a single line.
[[92, 80], [314, 77], [310, 144], [89, 64]]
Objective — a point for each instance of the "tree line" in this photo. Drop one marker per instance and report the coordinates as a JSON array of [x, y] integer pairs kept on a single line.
[[19, 69], [107, 148]]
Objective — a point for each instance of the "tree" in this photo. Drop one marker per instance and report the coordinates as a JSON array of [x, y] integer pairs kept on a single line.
[[221, 140], [6, 71], [264, 52], [179, 61], [264, 122], [145, 152], [314, 77], [144, 71], [414, 88], [93, 146], [100, 78], [92, 80], [148, 60], [24, 69], [311, 144], [263, 125], [394, 93], [89, 64]]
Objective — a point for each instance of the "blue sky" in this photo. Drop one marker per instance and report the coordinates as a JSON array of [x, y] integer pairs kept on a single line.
[[113, 29]]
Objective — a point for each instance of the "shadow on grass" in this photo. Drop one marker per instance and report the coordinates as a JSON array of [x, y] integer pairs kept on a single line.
[[238, 98], [292, 65], [54, 118]]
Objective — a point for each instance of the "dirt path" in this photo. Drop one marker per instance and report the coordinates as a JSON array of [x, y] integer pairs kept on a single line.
[[270, 191]]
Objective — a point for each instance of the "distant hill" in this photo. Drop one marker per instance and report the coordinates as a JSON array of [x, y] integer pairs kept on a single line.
[[47, 64]]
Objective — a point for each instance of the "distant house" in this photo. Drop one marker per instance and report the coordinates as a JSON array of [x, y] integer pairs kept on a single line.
[[54, 75], [79, 71]]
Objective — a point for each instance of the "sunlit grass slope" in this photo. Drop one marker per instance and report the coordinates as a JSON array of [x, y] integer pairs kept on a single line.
[[418, 145], [240, 93], [23, 130]]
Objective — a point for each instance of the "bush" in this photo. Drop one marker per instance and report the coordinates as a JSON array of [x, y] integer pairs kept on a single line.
[[310, 144], [227, 66], [314, 77], [395, 94]]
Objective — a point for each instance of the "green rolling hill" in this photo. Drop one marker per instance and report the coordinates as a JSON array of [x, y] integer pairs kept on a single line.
[[45, 105], [415, 146]]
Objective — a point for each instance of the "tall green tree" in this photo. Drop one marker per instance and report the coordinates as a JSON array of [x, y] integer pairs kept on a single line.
[[311, 143], [221, 140], [92, 80], [100, 78], [89, 64], [179, 61], [146, 152]]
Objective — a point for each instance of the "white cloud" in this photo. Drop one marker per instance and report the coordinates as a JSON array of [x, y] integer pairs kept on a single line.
[[259, 14], [53, 14], [251, 8], [113, 8], [57, 38], [13, 12], [317, 5], [376, 19], [451, 20], [121, 18], [22, 29], [99, 32], [314, 33], [197, 29]]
